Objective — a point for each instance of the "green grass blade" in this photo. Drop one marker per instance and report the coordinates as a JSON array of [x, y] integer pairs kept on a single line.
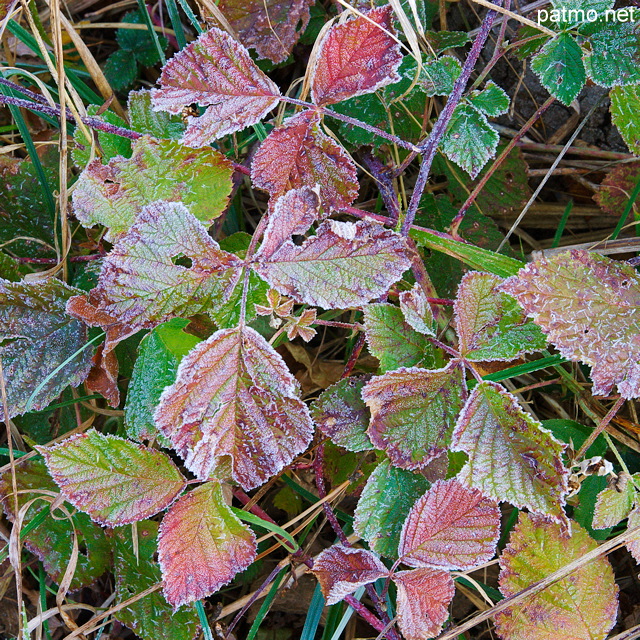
[[192, 18], [266, 605], [627, 210], [346, 616], [562, 225], [204, 623], [265, 524], [176, 24], [314, 614], [152, 32]]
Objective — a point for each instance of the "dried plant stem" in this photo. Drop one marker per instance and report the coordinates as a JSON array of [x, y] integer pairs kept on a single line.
[[600, 428], [430, 146]]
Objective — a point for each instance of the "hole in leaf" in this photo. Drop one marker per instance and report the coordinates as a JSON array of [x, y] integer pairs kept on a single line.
[[182, 261]]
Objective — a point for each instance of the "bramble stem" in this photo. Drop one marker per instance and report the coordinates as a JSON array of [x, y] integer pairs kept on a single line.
[[429, 147]]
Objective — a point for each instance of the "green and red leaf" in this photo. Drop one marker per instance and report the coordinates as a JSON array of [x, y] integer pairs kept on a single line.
[[235, 405], [115, 481], [202, 545]]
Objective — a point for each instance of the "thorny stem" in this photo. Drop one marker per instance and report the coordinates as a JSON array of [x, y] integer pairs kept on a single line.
[[364, 613], [429, 147], [93, 256], [355, 354], [455, 223], [384, 177], [354, 121]]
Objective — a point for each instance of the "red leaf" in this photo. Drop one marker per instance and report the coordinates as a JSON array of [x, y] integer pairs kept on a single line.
[[341, 570], [271, 27], [216, 72], [298, 153], [114, 480], [343, 265], [292, 214], [103, 377], [413, 412], [356, 57], [450, 527], [235, 403], [423, 598], [202, 545]]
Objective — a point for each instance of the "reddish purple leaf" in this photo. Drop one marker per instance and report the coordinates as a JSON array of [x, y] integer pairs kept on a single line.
[[356, 57], [202, 545], [298, 154], [511, 457], [215, 72], [416, 310], [292, 214], [115, 481], [634, 544], [271, 27], [582, 605], [589, 307], [343, 265], [341, 570], [450, 527], [413, 412], [235, 404], [423, 598]]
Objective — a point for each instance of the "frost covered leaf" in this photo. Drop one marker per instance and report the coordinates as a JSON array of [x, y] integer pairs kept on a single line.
[[136, 569], [560, 69], [36, 337], [582, 605], [341, 414], [298, 154], [614, 191], [614, 504], [158, 124], [143, 282], [271, 27], [393, 341], [416, 310], [470, 140], [202, 545], [492, 100], [356, 57], [589, 307], [341, 570], [235, 403], [109, 144], [625, 104], [292, 214], [115, 481], [511, 457], [215, 72], [490, 324], [614, 55], [423, 599], [344, 265], [634, 545], [52, 540], [439, 75], [384, 505], [450, 527], [413, 412], [114, 194], [159, 355]]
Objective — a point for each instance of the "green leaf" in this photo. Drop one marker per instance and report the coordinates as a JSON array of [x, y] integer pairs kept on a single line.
[[159, 355], [139, 43], [582, 605], [470, 140], [492, 100], [413, 412], [615, 190], [615, 504], [490, 324], [384, 505], [440, 41], [575, 434], [202, 545], [614, 58], [41, 346], [109, 145], [625, 106], [158, 124], [340, 413], [135, 570], [393, 341], [560, 69], [439, 75], [27, 227], [511, 457], [114, 194], [52, 541], [115, 481], [121, 70], [584, 505]]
